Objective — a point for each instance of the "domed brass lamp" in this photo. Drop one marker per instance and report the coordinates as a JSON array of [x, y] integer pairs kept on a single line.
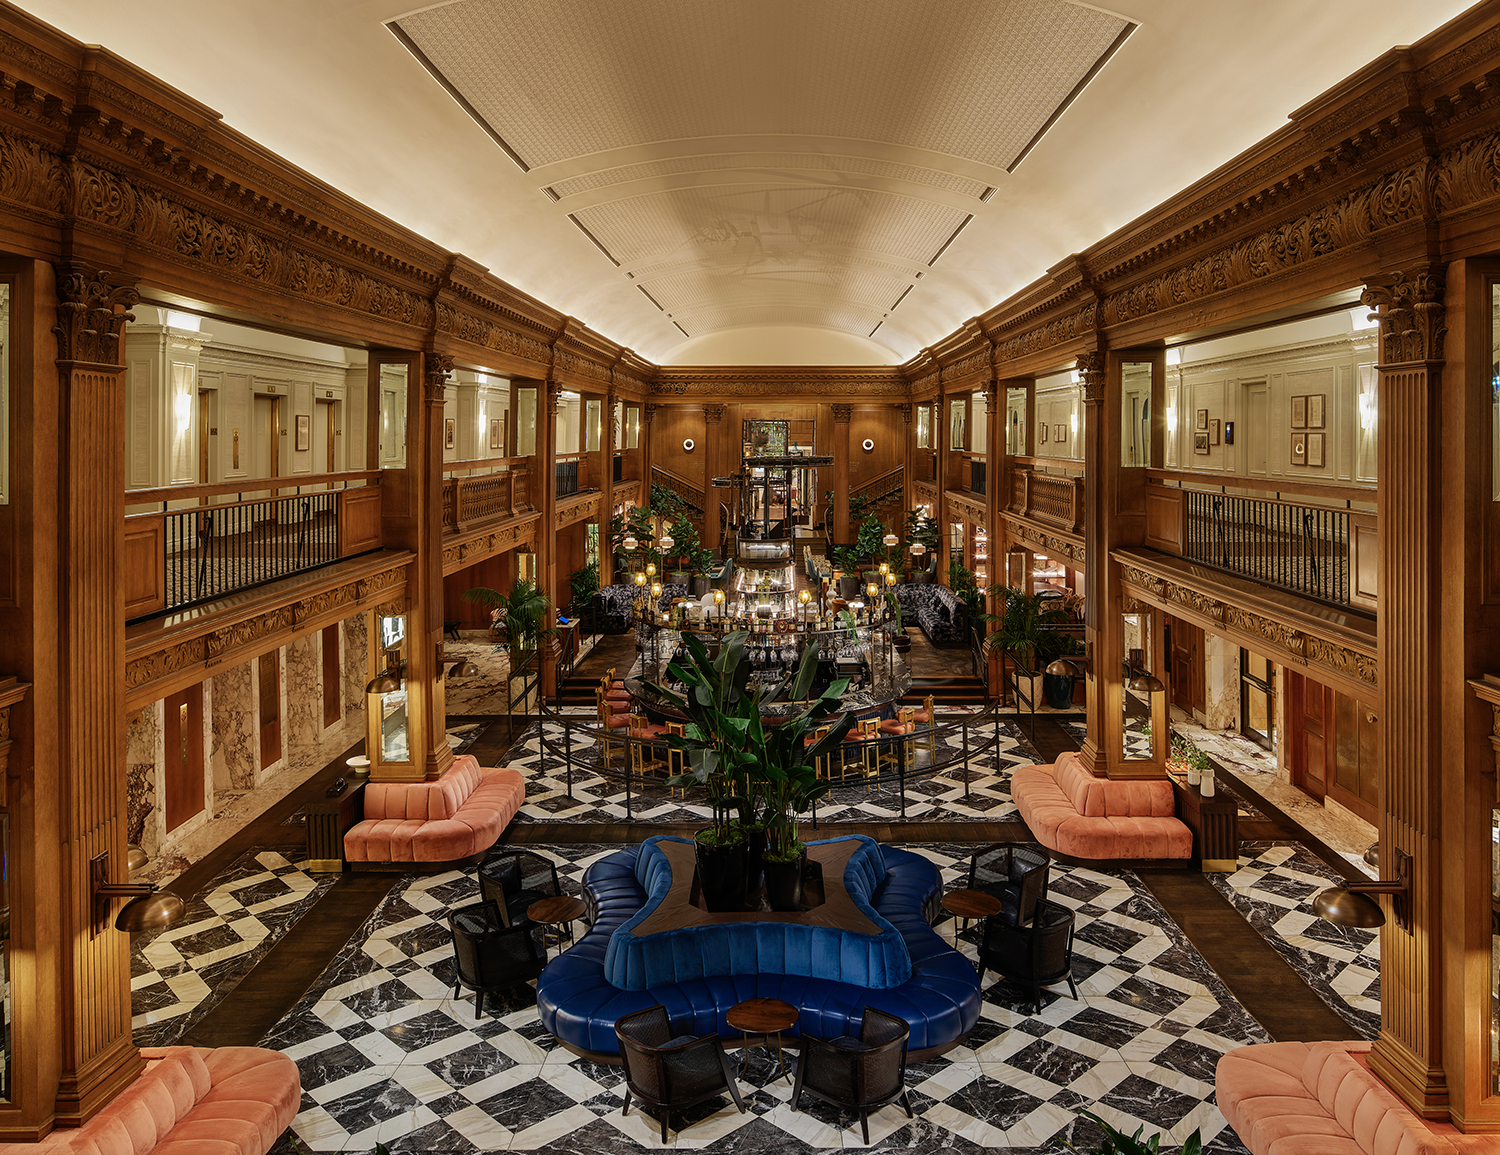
[[135, 857], [148, 910], [388, 681], [1351, 904], [1062, 668], [1372, 855], [1143, 684], [464, 669]]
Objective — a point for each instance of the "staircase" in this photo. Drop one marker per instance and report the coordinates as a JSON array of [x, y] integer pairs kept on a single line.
[[957, 690]]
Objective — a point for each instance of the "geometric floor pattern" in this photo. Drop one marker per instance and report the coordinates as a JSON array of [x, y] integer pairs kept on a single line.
[[929, 796], [388, 1056], [177, 974], [1272, 889]]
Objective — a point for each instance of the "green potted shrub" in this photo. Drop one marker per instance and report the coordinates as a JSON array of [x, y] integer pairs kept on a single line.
[[583, 584], [847, 562], [523, 620], [701, 565], [900, 639]]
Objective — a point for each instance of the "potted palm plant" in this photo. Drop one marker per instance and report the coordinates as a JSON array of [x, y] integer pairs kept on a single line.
[[522, 618]]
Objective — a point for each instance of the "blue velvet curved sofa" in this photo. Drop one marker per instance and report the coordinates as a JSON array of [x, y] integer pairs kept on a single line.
[[579, 1004]]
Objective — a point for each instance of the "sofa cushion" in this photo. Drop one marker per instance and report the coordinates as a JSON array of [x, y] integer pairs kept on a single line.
[[1117, 820], [468, 806]]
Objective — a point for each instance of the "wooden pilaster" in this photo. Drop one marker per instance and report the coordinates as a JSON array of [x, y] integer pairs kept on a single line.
[[1102, 637], [714, 439], [841, 418]]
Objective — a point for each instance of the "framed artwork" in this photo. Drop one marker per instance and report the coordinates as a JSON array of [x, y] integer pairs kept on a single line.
[[304, 432], [1299, 448], [1202, 419], [1200, 441], [1043, 438], [1299, 411], [1060, 434], [449, 432], [1315, 449], [494, 433], [1315, 410], [1213, 431]]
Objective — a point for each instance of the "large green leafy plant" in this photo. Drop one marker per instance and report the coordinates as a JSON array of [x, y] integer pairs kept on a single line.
[[525, 612], [1019, 627], [1118, 1143]]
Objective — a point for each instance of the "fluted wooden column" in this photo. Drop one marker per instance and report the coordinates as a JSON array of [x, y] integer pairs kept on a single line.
[[713, 466], [841, 418], [98, 1056], [426, 706], [1102, 638], [607, 487], [546, 553], [1408, 1054]]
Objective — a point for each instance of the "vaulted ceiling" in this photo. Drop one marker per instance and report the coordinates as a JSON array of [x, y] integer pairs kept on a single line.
[[765, 181]]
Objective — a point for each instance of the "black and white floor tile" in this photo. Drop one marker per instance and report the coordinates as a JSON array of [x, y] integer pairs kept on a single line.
[[978, 789], [1272, 888], [388, 1056], [177, 974]]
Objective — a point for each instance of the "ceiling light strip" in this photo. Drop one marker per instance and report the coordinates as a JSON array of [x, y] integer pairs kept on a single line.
[[877, 326], [650, 298], [597, 242], [681, 330], [1072, 96], [411, 46], [901, 298], [953, 236]]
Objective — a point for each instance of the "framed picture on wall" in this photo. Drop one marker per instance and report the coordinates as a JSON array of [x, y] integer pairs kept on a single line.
[[304, 432], [1315, 410], [1315, 449], [1200, 441], [1202, 419], [494, 433], [1060, 434], [1299, 411], [1213, 431], [450, 431], [1043, 437], [1299, 449]]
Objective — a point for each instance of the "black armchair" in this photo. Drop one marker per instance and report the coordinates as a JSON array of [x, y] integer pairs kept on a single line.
[[863, 1073], [667, 1073], [514, 879], [1032, 956], [1016, 875], [490, 955]]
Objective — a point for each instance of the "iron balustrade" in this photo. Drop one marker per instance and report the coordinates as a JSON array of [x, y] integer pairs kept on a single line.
[[216, 550], [1304, 548], [977, 471], [567, 478]]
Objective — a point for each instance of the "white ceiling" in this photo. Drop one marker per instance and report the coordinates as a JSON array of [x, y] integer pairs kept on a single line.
[[759, 168]]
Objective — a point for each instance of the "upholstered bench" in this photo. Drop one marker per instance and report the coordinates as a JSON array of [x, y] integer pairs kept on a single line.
[[459, 815], [189, 1101], [1286, 1098], [935, 608], [579, 1004], [1071, 812]]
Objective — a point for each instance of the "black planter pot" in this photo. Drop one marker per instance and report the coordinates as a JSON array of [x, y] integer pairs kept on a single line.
[[849, 587], [784, 883], [721, 874], [901, 642], [754, 849], [1057, 690], [698, 585]]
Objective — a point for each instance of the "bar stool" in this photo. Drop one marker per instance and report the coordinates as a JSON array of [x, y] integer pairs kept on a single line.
[[677, 762], [925, 727]]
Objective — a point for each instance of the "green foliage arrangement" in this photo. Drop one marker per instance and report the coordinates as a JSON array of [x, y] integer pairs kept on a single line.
[[1118, 1143], [525, 612]]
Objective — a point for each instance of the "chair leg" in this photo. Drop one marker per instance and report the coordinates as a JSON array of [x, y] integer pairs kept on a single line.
[[797, 1083], [905, 1102], [625, 1110], [864, 1125], [1073, 990], [729, 1082], [665, 1115], [478, 1005]]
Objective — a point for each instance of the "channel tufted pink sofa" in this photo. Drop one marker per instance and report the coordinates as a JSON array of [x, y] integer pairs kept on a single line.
[[460, 814], [189, 1101], [1074, 813], [1317, 1099]]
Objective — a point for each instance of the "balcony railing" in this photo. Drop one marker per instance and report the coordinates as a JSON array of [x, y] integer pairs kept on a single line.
[[1049, 498], [567, 478], [977, 470], [490, 496], [1304, 548]]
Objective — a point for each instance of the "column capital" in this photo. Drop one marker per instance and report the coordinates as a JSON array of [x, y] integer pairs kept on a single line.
[[1411, 317], [554, 394], [1090, 367], [92, 308], [905, 408], [713, 414], [842, 414], [437, 366], [648, 412]]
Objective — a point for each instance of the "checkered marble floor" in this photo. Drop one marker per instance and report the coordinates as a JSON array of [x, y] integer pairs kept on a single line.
[[388, 1056], [1272, 888], [931, 797], [177, 974]]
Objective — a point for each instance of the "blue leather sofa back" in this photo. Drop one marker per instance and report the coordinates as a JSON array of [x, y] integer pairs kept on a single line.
[[637, 962]]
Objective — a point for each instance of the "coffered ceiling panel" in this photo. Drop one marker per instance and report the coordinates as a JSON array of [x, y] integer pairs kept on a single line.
[[766, 143]]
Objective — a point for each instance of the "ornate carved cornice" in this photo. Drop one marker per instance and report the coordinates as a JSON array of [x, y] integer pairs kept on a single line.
[[92, 308], [1411, 317], [459, 555], [1051, 544], [790, 381]]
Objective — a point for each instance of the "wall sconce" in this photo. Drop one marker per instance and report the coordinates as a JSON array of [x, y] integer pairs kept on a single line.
[[147, 910], [463, 669], [868, 445], [1351, 904], [687, 444], [388, 681]]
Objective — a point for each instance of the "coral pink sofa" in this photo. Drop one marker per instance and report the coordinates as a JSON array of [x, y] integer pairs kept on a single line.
[[460, 814], [1287, 1098], [189, 1101], [1073, 813]]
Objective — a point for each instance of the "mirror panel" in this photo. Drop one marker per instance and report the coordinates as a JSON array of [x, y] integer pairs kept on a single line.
[[1015, 422], [393, 384], [1135, 414], [525, 422], [924, 427], [395, 743], [1139, 740]]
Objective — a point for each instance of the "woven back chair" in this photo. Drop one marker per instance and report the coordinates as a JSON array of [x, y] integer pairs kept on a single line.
[[1016, 875], [667, 1073], [1032, 956], [863, 1073], [514, 879], [491, 956]]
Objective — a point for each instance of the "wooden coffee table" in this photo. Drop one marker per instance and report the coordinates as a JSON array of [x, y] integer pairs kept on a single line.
[[764, 1017], [967, 904], [560, 911]]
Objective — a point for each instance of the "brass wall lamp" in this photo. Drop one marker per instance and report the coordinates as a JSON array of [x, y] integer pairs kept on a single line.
[[148, 909], [1351, 904], [388, 681]]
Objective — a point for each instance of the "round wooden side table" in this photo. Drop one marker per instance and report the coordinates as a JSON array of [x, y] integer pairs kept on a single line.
[[763, 1017], [969, 904], [559, 910]]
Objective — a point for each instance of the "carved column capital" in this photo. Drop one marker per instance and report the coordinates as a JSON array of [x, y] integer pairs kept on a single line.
[[648, 412], [1411, 317], [92, 308], [713, 414], [554, 395], [842, 414], [1090, 367], [905, 409], [438, 366]]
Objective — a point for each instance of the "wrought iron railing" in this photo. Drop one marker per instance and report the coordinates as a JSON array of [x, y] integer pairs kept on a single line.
[[216, 550], [567, 478], [1303, 548], [977, 470]]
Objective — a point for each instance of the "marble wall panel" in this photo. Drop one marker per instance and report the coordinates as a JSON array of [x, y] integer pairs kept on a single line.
[[236, 749], [302, 677], [1221, 661], [356, 664], [143, 767]]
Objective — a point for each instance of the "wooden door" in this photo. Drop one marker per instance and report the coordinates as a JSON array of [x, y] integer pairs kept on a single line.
[[1185, 671], [333, 708], [268, 681], [182, 735], [1355, 751], [1310, 715]]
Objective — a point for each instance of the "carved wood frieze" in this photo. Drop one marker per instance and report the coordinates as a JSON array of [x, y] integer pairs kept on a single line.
[[1041, 541], [790, 382], [459, 555]]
